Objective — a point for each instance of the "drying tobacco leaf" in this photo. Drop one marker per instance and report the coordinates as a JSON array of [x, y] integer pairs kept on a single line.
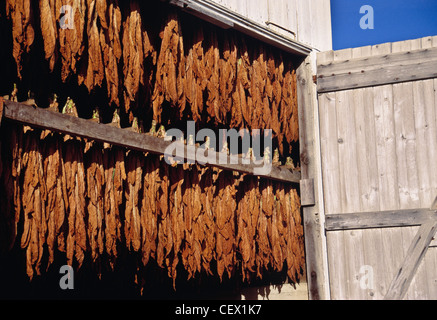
[[170, 73], [95, 175], [71, 40], [23, 33], [94, 74], [111, 48], [209, 226], [149, 208], [176, 216], [227, 78], [133, 56], [33, 200], [195, 77], [165, 237], [248, 214], [115, 175], [225, 205], [212, 64], [55, 206], [49, 30]]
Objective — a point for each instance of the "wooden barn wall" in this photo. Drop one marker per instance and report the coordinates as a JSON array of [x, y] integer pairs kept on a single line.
[[308, 21], [379, 151]]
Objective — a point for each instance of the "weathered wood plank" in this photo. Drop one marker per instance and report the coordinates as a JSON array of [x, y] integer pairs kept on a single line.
[[349, 191], [307, 196], [379, 219], [379, 249], [374, 62], [413, 258], [315, 241], [368, 184], [65, 124], [431, 147], [385, 75], [373, 71], [338, 270], [406, 147], [405, 134]]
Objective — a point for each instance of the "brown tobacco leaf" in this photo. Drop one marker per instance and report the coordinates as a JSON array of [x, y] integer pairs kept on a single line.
[[170, 73], [33, 199], [197, 223], [133, 56], [132, 222], [289, 109], [49, 30], [176, 216], [111, 216], [149, 208], [111, 47], [242, 100], [212, 63], [248, 214], [227, 76], [193, 221], [75, 179], [195, 76], [295, 240], [225, 206], [23, 34], [55, 207], [208, 225], [165, 236], [95, 199], [71, 41], [94, 74]]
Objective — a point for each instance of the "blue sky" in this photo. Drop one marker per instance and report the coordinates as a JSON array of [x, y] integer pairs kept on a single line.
[[394, 20]]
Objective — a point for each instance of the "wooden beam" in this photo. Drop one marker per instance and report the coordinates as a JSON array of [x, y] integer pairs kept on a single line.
[[414, 257], [307, 196], [384, 219], [377, 70], [66, 124], [315, 241]]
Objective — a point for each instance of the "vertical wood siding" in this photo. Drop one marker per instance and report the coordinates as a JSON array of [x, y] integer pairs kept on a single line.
[[379, 148], [307, 21]]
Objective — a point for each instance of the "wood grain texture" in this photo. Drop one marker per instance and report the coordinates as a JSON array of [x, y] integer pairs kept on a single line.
[[379, 70], [65, 124], [381, 173], [416, 252], [379, 219]]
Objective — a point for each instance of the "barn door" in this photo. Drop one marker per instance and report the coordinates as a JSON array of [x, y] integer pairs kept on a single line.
[[378, 134]]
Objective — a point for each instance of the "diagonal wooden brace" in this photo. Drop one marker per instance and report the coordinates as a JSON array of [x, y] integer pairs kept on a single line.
[[418, 248]]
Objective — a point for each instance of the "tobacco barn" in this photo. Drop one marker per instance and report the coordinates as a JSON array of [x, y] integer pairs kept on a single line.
[[90, 89]]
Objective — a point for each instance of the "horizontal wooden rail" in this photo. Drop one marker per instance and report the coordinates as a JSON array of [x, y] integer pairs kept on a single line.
[[66, 124], [377, 70], [384, 219]]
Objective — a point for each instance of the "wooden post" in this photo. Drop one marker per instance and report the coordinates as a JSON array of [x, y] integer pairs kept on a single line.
[[315, 240]]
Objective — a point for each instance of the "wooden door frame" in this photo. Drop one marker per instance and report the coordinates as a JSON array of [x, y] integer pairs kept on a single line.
[[311, 184]]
